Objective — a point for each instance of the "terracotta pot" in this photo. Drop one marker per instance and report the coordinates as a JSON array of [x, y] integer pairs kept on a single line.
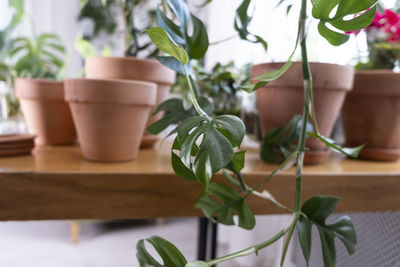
[[130, 68], [281, 99], [371, 115], [46, 113], [110, 116]]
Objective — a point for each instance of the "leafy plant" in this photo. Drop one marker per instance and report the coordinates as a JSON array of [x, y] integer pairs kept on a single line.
[[205, 145], [222, 84], [40, 57]]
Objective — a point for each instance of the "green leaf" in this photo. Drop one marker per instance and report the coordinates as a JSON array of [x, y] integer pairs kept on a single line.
[[351, 152], [363, 12], [170, 27], [170, 255], [198, 42], [359, 22], [228, 202], [176, 112], [181, 11], [281, 141], [171, 63], [304, 233], [161, 39], [317, 209], [242, 22], [18, 6], [238, 161], [180, 169], [333, 37], [216, 148]]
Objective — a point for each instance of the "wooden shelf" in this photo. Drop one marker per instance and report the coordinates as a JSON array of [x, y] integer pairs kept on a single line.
[[57, 183]]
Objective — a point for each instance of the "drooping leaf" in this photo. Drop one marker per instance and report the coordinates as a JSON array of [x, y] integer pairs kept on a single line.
[[351, 152], [242, 22], [171, 63], [170, 255], [221, 202], [170, 27], [317, 209], [281, 141], [161, 39], [363, 12], [198, 41]]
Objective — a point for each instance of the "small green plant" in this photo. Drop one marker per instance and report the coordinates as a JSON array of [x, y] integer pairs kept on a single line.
[[205, 145], [222, 84], [39, 57], [100, 13]]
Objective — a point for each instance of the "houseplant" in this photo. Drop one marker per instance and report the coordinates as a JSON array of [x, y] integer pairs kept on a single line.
[[131, 67], [221, 84], [221, 138], [38, 63], [371, 113]]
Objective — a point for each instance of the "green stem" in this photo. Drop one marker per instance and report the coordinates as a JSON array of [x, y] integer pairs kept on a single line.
[[250, 250], [302, 139], [196, 105], [266, 179]]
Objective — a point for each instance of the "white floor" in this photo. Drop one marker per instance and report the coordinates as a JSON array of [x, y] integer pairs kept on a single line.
[[47, 244]]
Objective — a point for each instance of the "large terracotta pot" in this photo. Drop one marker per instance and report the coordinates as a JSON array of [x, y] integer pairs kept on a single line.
[[110, 116], [131, 68], [46, 113], [281, 99], [371, 115]]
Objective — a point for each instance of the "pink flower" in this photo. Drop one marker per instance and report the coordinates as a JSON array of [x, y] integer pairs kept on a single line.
[[379, 21], [391, 17]]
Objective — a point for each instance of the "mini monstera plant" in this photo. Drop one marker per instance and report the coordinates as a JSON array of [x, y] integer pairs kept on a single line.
[[205, 145]]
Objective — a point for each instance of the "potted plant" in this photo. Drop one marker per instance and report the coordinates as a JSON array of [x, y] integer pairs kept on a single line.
[[38, 63], [221, 136], [371, 113], [133, 67]]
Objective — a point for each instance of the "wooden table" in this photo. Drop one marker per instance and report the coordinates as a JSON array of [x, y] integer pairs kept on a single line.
[[57, 183]]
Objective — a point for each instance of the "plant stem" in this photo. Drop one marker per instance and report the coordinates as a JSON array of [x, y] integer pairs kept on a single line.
[[250, 250], [196, 105], [302, 139], [224, 40]]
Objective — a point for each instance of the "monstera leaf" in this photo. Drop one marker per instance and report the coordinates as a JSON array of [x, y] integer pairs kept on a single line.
[[221, 202], [317, 209], [170, 255], [242, 22], [218, 137], [362, 12]]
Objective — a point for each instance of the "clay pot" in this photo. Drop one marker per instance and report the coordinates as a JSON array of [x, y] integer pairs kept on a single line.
[[130, 68], [46, 113], [281, 99], [110, 116], [371, 115]]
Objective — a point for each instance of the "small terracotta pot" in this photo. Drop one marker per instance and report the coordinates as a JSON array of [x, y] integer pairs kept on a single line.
[[46, 113], [130, 68], [281, 99], [371, 115], [110, 116]]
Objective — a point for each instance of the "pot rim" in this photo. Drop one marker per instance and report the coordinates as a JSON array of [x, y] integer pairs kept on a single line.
[[167, 78], [39, 89], [125, 94], [299, 62]]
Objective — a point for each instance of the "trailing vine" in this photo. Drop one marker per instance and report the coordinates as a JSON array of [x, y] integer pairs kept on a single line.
[[205, 145]]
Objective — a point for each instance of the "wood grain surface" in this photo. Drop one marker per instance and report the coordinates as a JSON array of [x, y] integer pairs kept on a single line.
[[57, 183]]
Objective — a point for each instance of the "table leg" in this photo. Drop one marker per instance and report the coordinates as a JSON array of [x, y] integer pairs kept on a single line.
[[207, 239]]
